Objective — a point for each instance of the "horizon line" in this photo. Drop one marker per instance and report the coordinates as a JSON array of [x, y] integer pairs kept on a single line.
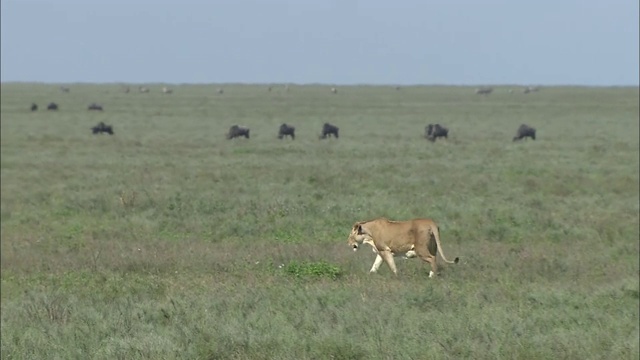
[[314, 84]]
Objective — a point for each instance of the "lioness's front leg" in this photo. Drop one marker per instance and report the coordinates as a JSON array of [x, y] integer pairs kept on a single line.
[[376, 264], [388, 258]]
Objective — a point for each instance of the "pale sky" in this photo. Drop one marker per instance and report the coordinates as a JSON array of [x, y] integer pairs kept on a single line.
[[457, 42]]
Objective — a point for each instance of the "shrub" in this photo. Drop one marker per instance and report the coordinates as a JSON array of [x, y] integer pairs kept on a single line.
[[313, 269]]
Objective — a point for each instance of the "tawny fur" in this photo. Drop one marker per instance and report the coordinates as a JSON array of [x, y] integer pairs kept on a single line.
[[416, 237]]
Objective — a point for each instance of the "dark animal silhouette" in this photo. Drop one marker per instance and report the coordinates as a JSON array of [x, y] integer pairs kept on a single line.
[[34, 107], [525, 131], [434, 131], [238, 131], [95, 107], [102, 128], [287, 130], [52, 106], [328, 130], [484, 91]]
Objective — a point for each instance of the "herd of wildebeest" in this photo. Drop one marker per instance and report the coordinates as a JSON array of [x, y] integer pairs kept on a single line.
[[431, 132]]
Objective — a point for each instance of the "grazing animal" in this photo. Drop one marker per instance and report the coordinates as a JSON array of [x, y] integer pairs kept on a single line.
[[287, 130], [525, 131], [52, 106], [237, 131], [328, 130], [434, 131], [166, 90], [95, 107], [269, 89], [220, 91], [334, 90], [126, 89], [416, 237], [143, 89], [102, 128], [64, 89], [34, 107], [484, 91]]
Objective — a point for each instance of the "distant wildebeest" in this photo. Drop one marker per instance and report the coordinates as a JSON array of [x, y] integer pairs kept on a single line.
[[95, 107], [334, 90], [434, 131], [52, 106], [238, 131], [166, 90], [397, 88], [34, 107], [220, 91], [64, 89], [525, 131], [287, 130], [143, 89], [484, 90], [529, 89], [328, 130], [126, 89], [269, 89], [102, 128]]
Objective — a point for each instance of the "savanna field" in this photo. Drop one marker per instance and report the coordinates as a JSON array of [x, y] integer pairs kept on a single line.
[[168, 241]]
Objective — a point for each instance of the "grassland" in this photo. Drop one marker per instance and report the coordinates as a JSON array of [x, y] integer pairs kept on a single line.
[[167, 241]]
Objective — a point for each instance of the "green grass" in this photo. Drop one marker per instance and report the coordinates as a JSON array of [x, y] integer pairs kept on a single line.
[[167, 241]]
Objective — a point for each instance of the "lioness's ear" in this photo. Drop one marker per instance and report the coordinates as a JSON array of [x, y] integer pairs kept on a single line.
[[359, 229]]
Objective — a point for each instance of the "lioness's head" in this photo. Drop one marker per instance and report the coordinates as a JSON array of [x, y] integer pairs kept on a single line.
[[357, 236]]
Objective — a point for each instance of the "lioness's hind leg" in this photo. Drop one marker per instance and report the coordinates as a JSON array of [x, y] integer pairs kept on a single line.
[[411, 253], [431, 259], [388, 258]]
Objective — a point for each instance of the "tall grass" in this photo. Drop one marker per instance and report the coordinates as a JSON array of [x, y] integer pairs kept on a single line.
[[167, 241]]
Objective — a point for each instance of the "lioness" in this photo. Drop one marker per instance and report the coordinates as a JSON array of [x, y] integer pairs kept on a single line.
[[393, 238]]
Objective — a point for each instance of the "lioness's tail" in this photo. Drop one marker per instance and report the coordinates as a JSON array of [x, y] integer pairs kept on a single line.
[[436, 234]]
